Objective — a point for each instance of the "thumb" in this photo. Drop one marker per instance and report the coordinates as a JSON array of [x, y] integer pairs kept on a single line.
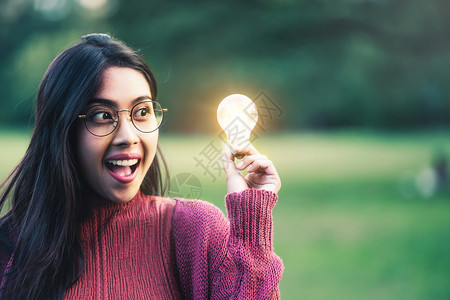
[[235, 181], [228, 161]]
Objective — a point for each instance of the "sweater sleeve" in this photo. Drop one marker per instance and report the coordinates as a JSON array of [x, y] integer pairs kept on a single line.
[[221, 259]]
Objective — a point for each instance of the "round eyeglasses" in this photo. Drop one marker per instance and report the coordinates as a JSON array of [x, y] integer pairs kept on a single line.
[[102, 119]]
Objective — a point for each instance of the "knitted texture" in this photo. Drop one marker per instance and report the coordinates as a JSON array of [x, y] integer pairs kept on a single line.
[[218, 259], [129, 251], [158, 248]]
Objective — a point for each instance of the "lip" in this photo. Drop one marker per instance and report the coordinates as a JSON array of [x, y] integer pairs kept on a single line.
[[124, 156]]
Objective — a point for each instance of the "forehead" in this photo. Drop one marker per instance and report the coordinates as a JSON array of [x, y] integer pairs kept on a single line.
[[123, 86]]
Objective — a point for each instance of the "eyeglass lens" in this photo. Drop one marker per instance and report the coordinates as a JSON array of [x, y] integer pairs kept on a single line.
[[102, 119]]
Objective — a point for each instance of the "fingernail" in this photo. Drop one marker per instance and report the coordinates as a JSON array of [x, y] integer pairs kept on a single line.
[[249, 167], [240, 164]]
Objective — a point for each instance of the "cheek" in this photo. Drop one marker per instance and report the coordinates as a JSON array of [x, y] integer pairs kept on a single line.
[[89, 152]]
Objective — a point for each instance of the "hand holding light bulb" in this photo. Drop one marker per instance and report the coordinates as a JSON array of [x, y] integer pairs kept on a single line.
[[237, 115]]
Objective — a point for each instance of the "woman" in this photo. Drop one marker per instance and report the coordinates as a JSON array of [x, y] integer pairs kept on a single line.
[[87, 217]]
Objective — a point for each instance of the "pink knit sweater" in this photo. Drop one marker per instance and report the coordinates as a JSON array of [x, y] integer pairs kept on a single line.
[[159, 248], [218, 259]]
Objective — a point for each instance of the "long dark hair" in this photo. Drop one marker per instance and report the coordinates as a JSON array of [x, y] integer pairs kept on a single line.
[[45, 189]]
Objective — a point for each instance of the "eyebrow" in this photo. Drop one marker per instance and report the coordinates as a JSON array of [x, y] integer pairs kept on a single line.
[[114, 103]]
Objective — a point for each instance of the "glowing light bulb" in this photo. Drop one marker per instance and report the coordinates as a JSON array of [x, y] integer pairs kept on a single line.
[[237, 115]]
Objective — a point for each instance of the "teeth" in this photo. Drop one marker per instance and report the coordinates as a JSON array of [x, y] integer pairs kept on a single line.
[[125, 163]]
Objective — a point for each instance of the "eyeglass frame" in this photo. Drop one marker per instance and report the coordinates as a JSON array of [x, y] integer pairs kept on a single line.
[[116, 121]]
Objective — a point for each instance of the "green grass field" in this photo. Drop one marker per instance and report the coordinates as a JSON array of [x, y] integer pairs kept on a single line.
[[352, 221]]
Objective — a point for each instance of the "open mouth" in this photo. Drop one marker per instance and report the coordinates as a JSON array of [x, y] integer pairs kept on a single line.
[[123, 170]]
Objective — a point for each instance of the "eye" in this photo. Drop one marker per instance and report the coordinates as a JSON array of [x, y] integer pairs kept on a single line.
[[142, 112], [100, 115], [103, 115]]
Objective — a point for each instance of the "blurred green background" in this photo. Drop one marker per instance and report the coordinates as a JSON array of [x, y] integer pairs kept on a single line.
[[354, 109]]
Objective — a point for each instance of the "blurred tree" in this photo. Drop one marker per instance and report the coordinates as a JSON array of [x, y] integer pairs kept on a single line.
[[327, 64]]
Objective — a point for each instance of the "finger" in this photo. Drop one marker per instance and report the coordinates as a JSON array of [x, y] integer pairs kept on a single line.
[[235, 181], [243, 150], [262, 166], [248, 160], [263, 175], [261, 181], [228, 162], [229, 152]]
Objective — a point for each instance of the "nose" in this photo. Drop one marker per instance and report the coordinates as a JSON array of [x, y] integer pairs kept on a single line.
[[125, 133]]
